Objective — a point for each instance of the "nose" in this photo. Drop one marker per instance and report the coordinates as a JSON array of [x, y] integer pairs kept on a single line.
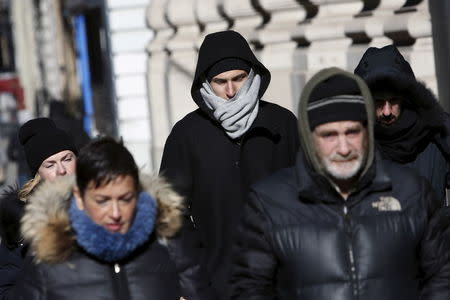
[[61, 171], [115, 213], [343, 148], [387, 108], [230, 90]]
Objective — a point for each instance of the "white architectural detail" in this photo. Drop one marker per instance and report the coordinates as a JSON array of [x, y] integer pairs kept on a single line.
[[51, 48], [329, 42], [278, 52], [23, 22], [129, 36], [208, 14], [246, 19], [183, 58], [157, 69]]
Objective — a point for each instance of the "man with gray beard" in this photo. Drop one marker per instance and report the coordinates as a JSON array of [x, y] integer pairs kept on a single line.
[[341, 224]]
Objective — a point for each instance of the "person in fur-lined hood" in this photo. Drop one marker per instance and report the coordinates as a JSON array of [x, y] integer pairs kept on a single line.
[[109, 234], [412, 128]]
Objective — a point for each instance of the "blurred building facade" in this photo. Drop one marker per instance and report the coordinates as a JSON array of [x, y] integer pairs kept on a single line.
[[90, 55], [142, 53]]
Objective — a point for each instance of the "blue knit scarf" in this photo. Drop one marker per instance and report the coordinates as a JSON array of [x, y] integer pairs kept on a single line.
[[108, 246]]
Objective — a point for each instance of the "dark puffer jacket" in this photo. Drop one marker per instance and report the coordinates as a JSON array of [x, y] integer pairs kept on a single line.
[[385, 69], [301, 240], [62, 270], [213, 171]]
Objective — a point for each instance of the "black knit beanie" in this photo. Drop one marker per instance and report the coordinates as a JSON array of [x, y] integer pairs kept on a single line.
[[41, 139], [337, 98], [227, 64]]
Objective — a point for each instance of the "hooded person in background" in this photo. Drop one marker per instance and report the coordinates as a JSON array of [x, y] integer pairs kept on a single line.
[[50, 153], [412, 129], [342, 224], [232, 140]]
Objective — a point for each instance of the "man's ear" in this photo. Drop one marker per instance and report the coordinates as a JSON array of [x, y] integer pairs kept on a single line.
[[78, 198]]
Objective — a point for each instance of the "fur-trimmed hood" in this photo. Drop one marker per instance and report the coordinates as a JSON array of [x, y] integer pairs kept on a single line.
[[385, 69], [46, 224]]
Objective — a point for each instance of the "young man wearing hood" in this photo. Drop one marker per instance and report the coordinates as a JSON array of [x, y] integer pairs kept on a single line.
[[412, 128], [232, 140], [341, 223]]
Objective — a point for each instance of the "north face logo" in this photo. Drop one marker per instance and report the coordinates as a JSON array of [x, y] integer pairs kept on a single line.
[[387, 204]]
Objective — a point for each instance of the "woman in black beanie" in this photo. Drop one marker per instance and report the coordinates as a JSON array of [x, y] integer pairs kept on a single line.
[[50, 153]]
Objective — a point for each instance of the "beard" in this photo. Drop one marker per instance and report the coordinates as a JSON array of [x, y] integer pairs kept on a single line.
[[387, 121], [343, 168]]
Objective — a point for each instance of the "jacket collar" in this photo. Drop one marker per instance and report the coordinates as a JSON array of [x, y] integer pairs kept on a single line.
[[46, 225], [108, 246], [314, 187]]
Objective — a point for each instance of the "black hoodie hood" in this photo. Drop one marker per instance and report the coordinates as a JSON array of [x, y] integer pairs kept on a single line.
[[220, 45], [386, 69]]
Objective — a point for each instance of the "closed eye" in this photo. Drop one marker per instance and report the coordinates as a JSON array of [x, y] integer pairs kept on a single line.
[[219, 81], [240, 77]]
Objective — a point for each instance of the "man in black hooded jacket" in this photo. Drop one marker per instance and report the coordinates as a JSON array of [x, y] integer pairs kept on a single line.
[[412, 128], [342, 224], [232, 140]]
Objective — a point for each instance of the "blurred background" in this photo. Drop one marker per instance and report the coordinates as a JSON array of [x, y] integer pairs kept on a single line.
[[125, 67]]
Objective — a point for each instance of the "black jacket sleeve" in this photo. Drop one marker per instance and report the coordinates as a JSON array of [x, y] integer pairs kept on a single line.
[[442, 141], [11, 261], [435, 253], [12, 251], [184, 250], [30, 284], [176, 162], [11, 211], [254, 263]]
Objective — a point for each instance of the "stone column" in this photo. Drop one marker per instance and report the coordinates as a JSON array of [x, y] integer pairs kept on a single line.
[[50, 48], [129, 35], [208, 14], [278, 49], [421, 56], [183, 58], [246, 19], [329, 43], [157, 72], [26, 50]]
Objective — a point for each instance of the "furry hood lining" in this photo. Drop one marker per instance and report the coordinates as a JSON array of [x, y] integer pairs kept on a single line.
[[46, 225]]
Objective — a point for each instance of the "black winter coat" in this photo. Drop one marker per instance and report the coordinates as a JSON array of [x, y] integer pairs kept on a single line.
[[213, 171], [147, 274], [12, 249], [61, 270], [433, 163], [301, 240]]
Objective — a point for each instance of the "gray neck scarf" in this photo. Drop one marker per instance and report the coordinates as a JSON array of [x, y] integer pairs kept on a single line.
[[237, 114]]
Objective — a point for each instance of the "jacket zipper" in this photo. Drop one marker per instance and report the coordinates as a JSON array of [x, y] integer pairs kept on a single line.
[[120, 284], [351, 256]]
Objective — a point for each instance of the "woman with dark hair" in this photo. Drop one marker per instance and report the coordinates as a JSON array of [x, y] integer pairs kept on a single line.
[[106, 235], [50, 154]]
